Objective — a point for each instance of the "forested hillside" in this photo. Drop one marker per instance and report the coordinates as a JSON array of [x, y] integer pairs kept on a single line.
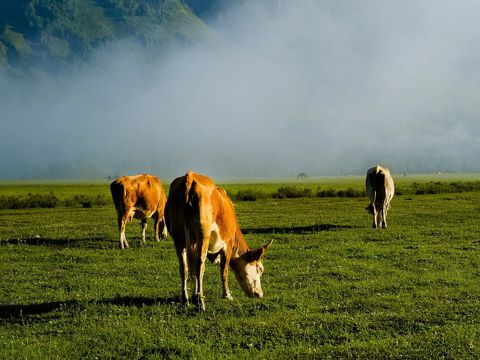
[[44, 35], [206, 9]]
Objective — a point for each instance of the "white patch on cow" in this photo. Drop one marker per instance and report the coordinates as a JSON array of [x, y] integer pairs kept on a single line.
[[251, 272], [216, 242], [249, 279]]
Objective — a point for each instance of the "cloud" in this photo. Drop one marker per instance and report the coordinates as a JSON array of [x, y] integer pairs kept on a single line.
[[279, 87]]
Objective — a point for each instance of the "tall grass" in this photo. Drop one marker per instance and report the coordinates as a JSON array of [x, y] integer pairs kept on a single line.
[[28, 201], [87, 201], [31, 201], [414, 188], [251, 195], [292, 192], [437, 187]]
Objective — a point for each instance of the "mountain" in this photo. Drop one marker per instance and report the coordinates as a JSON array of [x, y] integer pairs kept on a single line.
[[208, 10], [45, 35], [205, 9]]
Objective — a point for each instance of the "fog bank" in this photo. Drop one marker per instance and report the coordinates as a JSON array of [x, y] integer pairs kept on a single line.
[[279, 87]]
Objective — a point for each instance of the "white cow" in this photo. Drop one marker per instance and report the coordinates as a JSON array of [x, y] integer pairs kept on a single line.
[[380, 190]]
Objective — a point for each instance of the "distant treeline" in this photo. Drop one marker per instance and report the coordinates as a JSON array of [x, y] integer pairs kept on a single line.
[[290, 192], [50, 201], [437, 187], [283, 192], [410, 189]]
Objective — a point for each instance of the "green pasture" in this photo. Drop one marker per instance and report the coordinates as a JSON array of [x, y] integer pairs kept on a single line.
[[67, 188], [334, 287]]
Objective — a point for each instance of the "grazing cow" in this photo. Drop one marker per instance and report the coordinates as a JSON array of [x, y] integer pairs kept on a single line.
[[302, 176], [380, 190], [202, 221], [139, 197]]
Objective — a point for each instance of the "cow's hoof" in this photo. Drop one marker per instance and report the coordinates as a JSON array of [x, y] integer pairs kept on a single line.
[[199, 302]]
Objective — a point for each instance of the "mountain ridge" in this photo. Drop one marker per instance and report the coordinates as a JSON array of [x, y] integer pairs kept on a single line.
[[47, 35]]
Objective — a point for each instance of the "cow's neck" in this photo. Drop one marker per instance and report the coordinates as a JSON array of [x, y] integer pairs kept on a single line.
[[240, 245]]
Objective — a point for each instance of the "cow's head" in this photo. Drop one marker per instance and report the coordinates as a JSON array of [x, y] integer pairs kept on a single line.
[[248, 269]]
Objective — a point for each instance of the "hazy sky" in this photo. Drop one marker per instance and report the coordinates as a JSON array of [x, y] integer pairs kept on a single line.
[[279, 87]]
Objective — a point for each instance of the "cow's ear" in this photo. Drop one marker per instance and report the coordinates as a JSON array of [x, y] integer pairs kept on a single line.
[[258, 254], [266, 246]]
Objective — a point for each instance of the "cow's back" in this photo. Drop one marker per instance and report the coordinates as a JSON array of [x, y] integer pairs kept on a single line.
[[194, 202], [139, 191]]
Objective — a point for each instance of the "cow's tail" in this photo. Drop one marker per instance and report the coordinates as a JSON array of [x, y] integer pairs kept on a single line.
[[118, 193], [374, 179], [191, 205], [378, 179], [370, 208], [379, 186], [190, 193], [191, 211]]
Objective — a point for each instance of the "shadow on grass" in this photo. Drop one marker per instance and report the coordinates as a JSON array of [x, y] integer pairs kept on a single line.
[[21, 314], [89, 243], [295, 229], [98, 242]]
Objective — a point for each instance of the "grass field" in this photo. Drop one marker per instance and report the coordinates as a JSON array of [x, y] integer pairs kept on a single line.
[[334, 287]]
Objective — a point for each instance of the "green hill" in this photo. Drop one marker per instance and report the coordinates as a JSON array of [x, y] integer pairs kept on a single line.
[[205, 8], [47, 34]]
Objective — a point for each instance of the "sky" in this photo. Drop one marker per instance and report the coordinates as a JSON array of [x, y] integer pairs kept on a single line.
[[276, 88]]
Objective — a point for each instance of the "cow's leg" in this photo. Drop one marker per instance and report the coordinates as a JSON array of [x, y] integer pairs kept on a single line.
[[384, 215], [119, 225], [200, 270], [122, 223], [155, 225], [375, 216], [160, 223], [183, 264], [163, 226], [191, 255], [144, 228], [224, 261], [379, 217]]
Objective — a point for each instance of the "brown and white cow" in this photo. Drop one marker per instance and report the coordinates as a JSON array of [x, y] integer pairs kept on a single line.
[[139, 197], [202, 221], [380, 190]]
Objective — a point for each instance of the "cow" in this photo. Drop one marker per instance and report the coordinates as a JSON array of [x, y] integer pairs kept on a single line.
[[201, 220], [140, 197], [380, 190], [302, 176]]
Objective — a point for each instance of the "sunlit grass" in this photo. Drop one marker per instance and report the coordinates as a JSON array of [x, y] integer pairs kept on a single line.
[[333, 286]]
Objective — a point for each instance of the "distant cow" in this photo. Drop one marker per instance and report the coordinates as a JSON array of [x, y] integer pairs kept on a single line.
[[201, 219], [139, 197], [380, 190]]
